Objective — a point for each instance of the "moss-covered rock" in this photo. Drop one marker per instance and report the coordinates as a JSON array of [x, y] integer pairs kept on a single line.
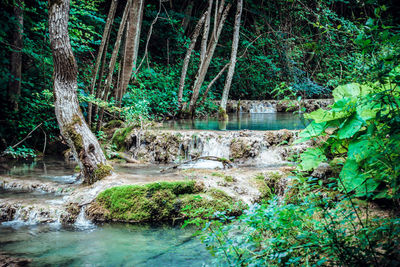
[[156, 202], [102, 171], [120, 136]]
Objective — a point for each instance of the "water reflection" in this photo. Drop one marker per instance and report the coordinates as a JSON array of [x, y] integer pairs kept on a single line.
[[107, 245], [242, 121]]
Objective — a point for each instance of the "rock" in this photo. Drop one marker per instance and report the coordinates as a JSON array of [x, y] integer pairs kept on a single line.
[[280, 106], [7, 212], [244, 148], [96, 212], [323, 171], [9, 261]]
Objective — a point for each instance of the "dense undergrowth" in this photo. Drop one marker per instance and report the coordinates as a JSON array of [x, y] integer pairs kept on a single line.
[[349, 216], [287, 49]]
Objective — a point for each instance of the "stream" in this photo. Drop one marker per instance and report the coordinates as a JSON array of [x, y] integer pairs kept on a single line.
[[33, 195]]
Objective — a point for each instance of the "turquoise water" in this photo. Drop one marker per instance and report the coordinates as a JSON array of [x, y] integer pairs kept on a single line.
[[242, 121], [107, 245]]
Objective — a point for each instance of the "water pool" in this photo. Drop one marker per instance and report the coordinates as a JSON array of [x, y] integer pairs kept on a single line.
[[242, 121], [106, 245]]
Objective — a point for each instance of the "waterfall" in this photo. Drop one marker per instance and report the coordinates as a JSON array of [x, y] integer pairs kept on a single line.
[[213, 146], [269, 157], [265, 107], [81, 222]]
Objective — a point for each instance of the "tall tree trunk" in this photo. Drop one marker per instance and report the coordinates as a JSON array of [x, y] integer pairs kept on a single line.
[[134, 24], [212, 83], [201, 74], [228, 82], [204, 40], [14, 86], [106, 36], [187, 58], [188, 14], [84, 145], [113, 60]]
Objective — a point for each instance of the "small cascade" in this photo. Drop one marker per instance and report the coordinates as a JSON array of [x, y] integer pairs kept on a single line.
[[265, 107], [31, 215], [82, 222], [269, 157], [214, 146]]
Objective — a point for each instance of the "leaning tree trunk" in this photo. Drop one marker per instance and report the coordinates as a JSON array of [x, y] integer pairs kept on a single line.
[[187, 59], [201, 74], [84, 145], [228, 82], [113, 61], [103, 45], [134, 24], [14, 86]]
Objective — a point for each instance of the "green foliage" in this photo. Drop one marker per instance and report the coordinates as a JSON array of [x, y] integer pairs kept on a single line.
[[365, 131], [119, 137], [21, 152], [309, 233]]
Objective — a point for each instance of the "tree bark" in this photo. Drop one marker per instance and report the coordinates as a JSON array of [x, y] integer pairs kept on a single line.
[[113, 60], [188, 13], [204, 40], [84, 145], [106, 34], [231, 70], [14, 86], [133, 27], [212, 83], [187, 58], [201, 74]]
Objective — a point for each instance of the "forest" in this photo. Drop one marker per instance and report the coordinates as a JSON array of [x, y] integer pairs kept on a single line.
[[204, 133]]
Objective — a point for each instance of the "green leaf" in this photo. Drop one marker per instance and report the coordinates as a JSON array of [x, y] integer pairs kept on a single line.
[[312, 130], [360, 150], [350, 127], [321, 115], [350, 90], [351, 176], [311, 158]]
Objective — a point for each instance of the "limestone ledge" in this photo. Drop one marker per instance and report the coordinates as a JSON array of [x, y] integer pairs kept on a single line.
[[167, 146], [280, 105]]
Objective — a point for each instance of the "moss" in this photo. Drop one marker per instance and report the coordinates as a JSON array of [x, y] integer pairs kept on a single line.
[[76, 137], [163, 201], [102, 171], [222, 116], [77, 168], [120, 136], [207, 204], [217, 174], [113, 124]]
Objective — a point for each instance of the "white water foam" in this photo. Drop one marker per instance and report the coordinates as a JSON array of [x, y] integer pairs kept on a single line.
[[82, 222], [262, 108], [216, 147]]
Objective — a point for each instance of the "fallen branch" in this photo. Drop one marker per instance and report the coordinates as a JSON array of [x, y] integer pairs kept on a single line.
[[225, 162], [126, 157], [27, 136]]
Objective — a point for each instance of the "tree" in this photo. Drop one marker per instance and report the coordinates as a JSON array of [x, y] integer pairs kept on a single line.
[[219, 21], [14, 86], [222, 110], [100, 54], [187, 58], [113, 61], [81, 140], [132, 40]]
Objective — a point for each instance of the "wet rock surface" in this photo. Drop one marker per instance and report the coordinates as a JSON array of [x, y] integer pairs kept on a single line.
[[9, 261], [167, 146], [275, 105]]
